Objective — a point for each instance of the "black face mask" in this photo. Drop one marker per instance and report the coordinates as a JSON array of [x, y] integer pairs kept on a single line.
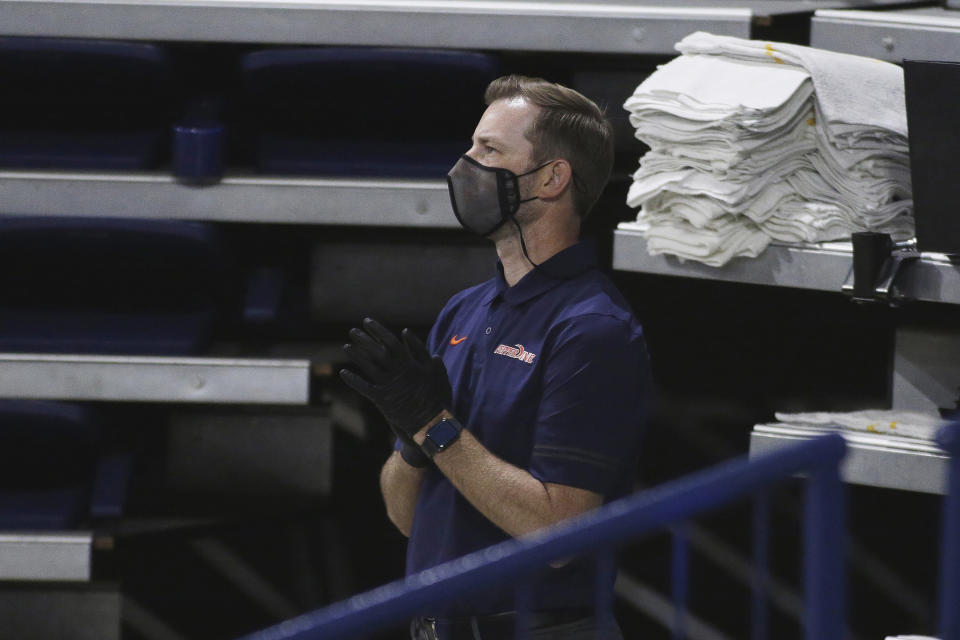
[[483, 197]]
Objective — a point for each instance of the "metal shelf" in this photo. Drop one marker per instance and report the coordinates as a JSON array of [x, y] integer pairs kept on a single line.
[[601, 26], [823, 269], [45, 556], [154, 379], [328, 201], [818, 267], [929, 33], [875, 461]]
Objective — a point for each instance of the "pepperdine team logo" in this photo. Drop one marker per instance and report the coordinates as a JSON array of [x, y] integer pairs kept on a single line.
[[517, 352]]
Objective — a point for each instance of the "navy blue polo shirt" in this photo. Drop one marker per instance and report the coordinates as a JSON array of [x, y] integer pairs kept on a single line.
[[552, 376]]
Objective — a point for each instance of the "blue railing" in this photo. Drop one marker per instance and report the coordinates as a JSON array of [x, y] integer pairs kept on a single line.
[[636, 516], [949, 624], [517, 561]]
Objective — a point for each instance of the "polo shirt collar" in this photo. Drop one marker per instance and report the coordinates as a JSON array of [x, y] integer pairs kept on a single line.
[[564, 265]]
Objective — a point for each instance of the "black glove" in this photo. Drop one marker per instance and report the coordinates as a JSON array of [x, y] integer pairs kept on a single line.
[[411, 453], [406, 384]]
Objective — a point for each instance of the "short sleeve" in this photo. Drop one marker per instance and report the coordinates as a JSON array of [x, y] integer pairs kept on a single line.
[[596, 385]]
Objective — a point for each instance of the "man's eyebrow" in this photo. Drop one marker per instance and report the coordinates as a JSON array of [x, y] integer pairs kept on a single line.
[[485, 139]]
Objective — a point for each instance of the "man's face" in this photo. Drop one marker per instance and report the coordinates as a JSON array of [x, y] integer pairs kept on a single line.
[[498, 140]]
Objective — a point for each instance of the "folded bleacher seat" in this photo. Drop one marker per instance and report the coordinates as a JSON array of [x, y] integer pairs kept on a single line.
[[108, 286], [84, 104], [54, 473], [362, 112]]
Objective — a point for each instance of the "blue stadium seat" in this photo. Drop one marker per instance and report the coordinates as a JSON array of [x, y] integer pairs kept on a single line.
[[84, 104], [108, 286], [363, 112], [53, 473]]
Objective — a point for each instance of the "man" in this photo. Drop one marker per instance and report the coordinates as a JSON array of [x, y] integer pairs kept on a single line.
[[529, 411]]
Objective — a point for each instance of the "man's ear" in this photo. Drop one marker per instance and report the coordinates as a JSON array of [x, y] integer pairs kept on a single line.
[[557, 180]]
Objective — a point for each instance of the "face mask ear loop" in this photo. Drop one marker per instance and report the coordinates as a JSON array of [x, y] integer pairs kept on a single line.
[[523, 245], [520, 202], [535, 169], [526, 255]]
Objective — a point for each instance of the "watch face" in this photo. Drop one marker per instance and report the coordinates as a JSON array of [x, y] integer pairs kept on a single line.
[[443, 433]]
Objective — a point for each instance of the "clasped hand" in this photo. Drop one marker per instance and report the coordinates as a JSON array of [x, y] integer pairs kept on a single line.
[[408, 385]]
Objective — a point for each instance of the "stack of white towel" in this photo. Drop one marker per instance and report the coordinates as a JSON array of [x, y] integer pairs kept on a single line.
[[754, 141], [909, 425]]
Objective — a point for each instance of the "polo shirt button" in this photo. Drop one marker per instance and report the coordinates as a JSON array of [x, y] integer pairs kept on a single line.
[[489, 329]]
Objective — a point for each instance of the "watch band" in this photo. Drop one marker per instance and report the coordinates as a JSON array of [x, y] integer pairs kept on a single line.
[[440, 436]]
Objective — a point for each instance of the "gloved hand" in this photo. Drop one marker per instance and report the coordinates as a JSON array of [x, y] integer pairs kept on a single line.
[[399, 376], [409, 450], [411, 453]]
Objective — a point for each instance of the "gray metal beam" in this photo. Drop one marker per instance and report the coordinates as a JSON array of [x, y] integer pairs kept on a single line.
[[875, 461], [327, 201], [587, 26], [45, 556], [926, 375], [780, 265], [154, 379], [930, 33], [820, 267]]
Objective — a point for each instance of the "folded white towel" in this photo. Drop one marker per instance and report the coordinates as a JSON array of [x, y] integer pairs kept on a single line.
[[714, 245], [715, 150], [806, 222], [734, 86], [850, 89], [781, 205], [742, 145], [699, 212], [889, 422]]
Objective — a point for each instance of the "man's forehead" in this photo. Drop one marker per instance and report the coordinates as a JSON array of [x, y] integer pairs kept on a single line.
[[515, 102], [506, 121]]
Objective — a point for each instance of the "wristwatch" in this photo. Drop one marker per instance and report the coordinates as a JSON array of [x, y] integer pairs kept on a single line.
[[440, 436]]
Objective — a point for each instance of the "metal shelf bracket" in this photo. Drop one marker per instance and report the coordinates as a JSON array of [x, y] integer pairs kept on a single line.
[[876, 266]]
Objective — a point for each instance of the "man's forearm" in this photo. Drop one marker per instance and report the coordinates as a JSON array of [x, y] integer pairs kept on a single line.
[[508, 496], [400, 486]]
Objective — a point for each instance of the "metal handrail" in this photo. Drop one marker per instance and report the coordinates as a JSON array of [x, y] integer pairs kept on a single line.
[[949, 624], [597, 532]]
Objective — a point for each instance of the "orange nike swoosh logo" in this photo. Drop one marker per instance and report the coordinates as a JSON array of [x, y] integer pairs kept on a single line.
[[455, 340]]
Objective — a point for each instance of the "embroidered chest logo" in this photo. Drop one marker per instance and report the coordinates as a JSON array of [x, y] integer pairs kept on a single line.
[[516, 352]]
